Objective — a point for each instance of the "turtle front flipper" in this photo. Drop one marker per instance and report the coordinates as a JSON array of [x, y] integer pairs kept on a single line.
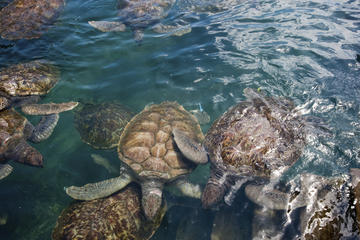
[[5, 170], [101, 189], [172, 30], [273, 198], [43, 129], [106, 26], [189, 148], [48, 108], [22, 152]]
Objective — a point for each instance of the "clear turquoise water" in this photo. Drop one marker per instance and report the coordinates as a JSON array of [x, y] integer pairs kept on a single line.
[[304, 50]]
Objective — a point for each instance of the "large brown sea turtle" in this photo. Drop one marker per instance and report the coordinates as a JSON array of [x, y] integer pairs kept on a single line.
[[27, 19], [140, 14], [100, 125], [118, 216], [15, 129], [148, 148], [22, 84], [257, 139]]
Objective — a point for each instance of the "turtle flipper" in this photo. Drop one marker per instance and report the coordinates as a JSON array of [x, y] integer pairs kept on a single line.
[[5, 170], [106, 26], [192, 150], [48, 108], [274, 199], [43, 129], [187, 188], [100, 160], [23, 153], [172, 30], [231, 194], [101, 189]]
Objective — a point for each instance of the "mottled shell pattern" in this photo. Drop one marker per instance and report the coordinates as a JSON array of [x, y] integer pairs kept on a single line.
[[101, 125], [31, 78], [141, 13], [147, 144], [256, 136], [27, 19], [12, 126], [117, 217]]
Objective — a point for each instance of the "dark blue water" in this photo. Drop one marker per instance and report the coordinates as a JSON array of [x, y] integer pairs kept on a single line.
[[304, 50]]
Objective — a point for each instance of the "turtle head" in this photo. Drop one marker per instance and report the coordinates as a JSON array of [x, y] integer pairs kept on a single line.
[[3, 103], [151, 200], [213, 193]]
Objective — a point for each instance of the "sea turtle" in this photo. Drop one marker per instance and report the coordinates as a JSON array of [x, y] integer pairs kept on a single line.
[[118, 216], [27, 19], [140, 14], [15, 129], [329, 212], [257, 139], [328, 207], [22, 84], [147, 145], [100, 125]]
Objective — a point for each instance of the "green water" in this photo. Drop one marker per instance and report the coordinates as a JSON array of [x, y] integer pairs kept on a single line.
[[304, 50]]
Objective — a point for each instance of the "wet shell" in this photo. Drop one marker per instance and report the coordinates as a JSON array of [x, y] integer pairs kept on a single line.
[[256, 136], [27, 19], [101, 125], [12, 126], [116, 217], [148, 147], [31, 78]]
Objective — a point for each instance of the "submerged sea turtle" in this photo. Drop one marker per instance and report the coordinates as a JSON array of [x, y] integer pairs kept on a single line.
[[101, 125], [329, 212], [140, 14], [27, 19], [256, 139], [118, 216], [23, 83], [151, 154], [15, 129]]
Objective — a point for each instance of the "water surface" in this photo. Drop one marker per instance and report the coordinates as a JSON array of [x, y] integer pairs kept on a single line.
[[304, 50]]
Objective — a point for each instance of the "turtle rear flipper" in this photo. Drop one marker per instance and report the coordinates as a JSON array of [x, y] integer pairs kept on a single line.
[[172, 30], [106, 26], [48, 108], [43, 129], [192, 150], [101, 189], [5, 170]]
